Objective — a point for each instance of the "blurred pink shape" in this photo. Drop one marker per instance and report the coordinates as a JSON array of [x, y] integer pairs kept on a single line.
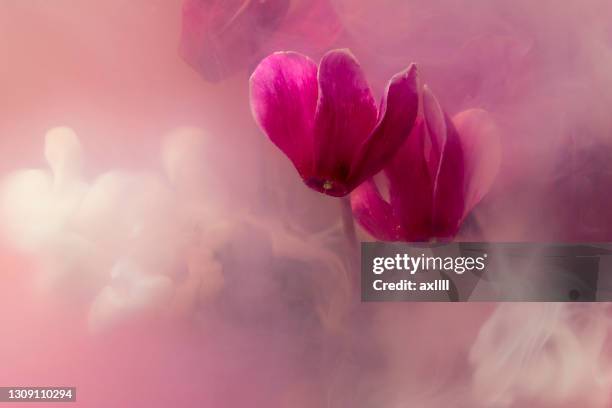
[[326, 120], [441, 172], [220, 38]]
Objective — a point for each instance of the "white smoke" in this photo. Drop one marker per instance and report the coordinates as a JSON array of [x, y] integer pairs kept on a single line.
[[542, 354], [136, 246], [120, 238]]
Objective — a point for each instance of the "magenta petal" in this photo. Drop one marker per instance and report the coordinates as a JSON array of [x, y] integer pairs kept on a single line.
[[398, 113], [449, 187], [220, 37], [480, 140], [444, 157], [411, 187], [373, 213], [436, 126], [283, 100], [346, 114]]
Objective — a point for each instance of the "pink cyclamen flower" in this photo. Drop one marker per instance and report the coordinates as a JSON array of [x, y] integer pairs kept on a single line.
[[325, 119], [440, 173]]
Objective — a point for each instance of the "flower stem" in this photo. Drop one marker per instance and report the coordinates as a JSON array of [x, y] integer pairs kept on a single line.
[[348, 222], [352, 247]]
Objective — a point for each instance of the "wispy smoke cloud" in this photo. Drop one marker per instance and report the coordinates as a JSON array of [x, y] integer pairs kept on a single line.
[[543, 354]]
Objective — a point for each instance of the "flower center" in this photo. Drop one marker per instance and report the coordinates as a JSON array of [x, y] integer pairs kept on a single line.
[[326, 186]]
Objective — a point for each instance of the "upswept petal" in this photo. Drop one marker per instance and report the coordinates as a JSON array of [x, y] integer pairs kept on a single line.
[[481, 142], [436, 128], [397, 115], [411, 187], [444, 156], [449, 186], [346, 115], [284, 99], [373, 213]]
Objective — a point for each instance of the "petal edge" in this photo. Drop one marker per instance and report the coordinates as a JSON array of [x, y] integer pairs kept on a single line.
[[397, 116], [283, 95]]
